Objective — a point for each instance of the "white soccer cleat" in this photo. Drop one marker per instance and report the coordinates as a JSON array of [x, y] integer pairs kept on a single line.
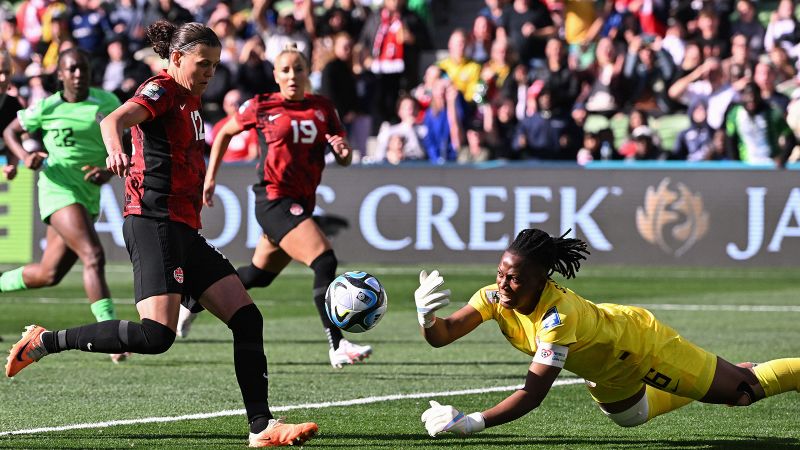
[[348, 353], [185, 319]]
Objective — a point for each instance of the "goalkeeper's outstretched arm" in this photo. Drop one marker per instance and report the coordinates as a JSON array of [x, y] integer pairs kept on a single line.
[[537, 384], [430, 297], [446, 330]]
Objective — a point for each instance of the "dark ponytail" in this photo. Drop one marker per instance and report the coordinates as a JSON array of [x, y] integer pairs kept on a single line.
[[555, 254], [167, 37]]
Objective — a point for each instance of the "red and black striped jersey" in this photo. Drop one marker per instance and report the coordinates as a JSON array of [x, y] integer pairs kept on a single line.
[[167, 165], [292, 144]]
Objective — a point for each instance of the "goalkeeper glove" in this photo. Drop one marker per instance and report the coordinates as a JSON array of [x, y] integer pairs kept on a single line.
[[429, 298], [440, 418]]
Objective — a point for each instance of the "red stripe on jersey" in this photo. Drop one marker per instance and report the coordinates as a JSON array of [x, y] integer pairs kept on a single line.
[[291, 136], [167, 166]]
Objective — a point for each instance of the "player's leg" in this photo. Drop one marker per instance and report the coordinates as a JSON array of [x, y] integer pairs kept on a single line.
[[742, 386], [214, 282], [57, 260], [635, 405], [156, 248], [308, 244], [268, 261]]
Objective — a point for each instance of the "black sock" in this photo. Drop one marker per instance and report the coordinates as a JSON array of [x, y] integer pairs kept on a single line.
[[252, 276], [250, 363], [324, 267], [112, 336]]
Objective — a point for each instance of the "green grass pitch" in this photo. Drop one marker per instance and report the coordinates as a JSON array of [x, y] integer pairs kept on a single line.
[[743, 315]]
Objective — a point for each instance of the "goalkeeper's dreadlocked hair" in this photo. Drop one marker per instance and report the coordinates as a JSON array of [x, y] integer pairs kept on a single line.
[[556, 254]]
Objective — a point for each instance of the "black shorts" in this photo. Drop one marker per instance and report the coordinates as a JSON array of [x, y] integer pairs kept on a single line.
[[171, 258], [278, 217]]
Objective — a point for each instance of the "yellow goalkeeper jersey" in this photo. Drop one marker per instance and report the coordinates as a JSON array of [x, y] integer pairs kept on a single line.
[[608, 344]]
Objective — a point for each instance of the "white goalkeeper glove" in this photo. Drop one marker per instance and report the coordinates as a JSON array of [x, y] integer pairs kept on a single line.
[[440, 418], [429, 298]]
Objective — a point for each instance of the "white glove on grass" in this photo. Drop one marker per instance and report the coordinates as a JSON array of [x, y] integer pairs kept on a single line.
[[440, 418], [429, 298]]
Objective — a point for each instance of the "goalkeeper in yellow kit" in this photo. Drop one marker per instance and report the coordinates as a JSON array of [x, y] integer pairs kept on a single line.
[[635, 367]]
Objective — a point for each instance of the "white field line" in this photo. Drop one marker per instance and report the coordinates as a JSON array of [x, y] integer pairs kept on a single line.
[[651, 306], [239, 412]]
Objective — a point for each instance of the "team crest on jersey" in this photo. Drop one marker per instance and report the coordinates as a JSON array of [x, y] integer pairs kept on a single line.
[[153, 91], [296, 209], [178, 274], [492, 296], [318, 114], [551, 319]]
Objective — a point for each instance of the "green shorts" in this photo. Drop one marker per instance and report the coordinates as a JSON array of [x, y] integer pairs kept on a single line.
[[54, 195]]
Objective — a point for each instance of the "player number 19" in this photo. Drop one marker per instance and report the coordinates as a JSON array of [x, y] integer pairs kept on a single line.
[[304, 131]]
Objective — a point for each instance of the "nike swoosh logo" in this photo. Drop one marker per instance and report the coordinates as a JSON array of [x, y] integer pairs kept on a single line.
[[89, 346], [22, 351], [273, 117], [183, 106], [339, 317], [265, 376]]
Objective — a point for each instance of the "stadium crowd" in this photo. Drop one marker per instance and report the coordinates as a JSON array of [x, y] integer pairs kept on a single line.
[[565, 80]]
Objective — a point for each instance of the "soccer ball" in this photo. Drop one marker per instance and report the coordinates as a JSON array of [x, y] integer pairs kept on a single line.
[[355, 301]]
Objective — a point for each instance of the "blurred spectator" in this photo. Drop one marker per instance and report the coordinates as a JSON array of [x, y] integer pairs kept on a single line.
[[560, 80], [462, 71], [712, 43], [424, 91], [168, 10], [547, 136], [285, 31], [674, 41], [243, 146], [254, 74], [598, 146], [526, 25], [18, 47], [443, 123], [695, 142], [646, 146], [757, 132], [637, 119], [222, 82], [393, 38], [764, 77], [90, 26], [474, 151], [582, 23], [58, 33], [748, 25], [740, 53], [407, 110], [784, 69], [500, 125], [495, 71], [29, 19], [480, 40], [231, 43], [781, 27], [348, 16], [602, 80], [648, 72], [123, 74], [706, 82], [339, 83], [128, 16], [718, 150], [692, 58], [9, 106], [493, 11], [395, 150]]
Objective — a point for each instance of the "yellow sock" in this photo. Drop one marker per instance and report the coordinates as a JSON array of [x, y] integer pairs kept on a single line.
[[779, 375], [660, 402]]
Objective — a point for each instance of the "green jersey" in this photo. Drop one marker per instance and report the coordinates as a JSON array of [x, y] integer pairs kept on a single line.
[[71, 136]]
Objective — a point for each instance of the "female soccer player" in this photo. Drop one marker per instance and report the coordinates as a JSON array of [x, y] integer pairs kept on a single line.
[[635, 367], [295, 129], [72, 170], [163, 198], [9, 106]]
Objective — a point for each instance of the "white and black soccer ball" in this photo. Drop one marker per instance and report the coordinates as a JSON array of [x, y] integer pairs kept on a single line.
[[355, 301]]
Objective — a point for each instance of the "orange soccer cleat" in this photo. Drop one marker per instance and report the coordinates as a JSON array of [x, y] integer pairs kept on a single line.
[[27, 350], [279, 434]]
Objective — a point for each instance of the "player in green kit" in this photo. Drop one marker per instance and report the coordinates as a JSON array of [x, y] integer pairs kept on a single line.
[[72, 171]]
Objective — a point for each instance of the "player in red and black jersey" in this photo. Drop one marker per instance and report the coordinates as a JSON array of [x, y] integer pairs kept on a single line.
[[171, 260], [294, 131]]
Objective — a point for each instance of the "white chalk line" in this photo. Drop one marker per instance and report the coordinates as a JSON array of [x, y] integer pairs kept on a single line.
[[239, 412]]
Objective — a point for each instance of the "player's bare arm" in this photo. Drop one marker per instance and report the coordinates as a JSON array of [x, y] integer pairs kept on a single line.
[[12, 136], [218, 149], [538, 382], [341, 149], [112, 128], [447, 330]]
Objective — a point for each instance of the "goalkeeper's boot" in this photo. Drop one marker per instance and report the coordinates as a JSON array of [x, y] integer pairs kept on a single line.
[[27, 350], [185, 319], [279, 434], [348, 353]]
